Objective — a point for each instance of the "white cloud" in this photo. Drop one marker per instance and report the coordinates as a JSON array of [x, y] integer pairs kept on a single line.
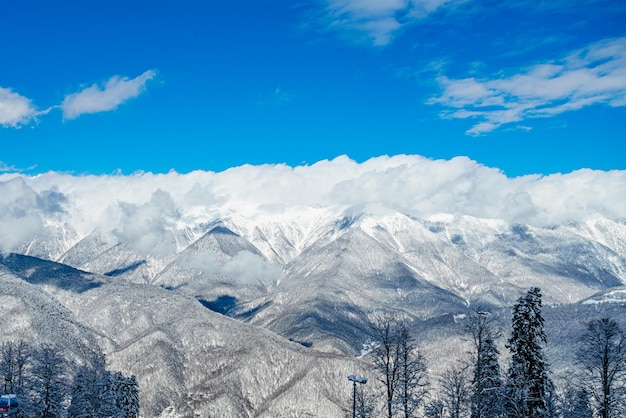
[[380, 20], [144, 209], [250, 268], [20, 217], [149, 227], [15, 110], [590, 76], [96, 99]]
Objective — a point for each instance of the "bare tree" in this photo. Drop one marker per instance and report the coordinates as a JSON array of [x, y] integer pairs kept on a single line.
[[575, 403], [50, 382], [385, 357], [434, 409], [364, 401], [602, 358], [15, 356], [412, 377], [456, 391], [399, 366]]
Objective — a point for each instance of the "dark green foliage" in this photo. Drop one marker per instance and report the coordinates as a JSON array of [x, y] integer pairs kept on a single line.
[[127, 395], [528, 385]]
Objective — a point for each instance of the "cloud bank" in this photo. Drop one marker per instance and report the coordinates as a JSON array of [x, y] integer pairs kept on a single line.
[[97, 99], [590, 76], [144, 208]]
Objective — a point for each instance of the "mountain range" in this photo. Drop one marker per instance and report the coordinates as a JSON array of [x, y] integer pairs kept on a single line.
[[263, 310]]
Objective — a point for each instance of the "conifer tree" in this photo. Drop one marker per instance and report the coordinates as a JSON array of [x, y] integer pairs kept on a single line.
[[127, 396], [93, 395], [487, 390], [528, 385]]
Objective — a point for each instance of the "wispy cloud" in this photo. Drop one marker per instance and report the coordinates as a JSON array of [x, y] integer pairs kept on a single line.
[[279, 97], [589, 76], [115, 92], [15, 109], [5, 168], [381, 20]]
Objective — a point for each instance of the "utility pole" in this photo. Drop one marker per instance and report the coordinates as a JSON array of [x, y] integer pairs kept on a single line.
[[355, 380]]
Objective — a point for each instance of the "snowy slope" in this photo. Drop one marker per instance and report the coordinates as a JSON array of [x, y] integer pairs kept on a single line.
[[189, 360]]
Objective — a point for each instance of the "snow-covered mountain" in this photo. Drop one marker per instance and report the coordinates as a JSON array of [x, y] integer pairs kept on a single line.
[[308, 254], [317, 276], [189, 360]]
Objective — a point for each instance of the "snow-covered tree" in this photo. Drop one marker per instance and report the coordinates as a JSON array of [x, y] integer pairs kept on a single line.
[[49, 382], [13, 364], [575, 403], [602, 358], [93, 395], [385, 358], [487, 389], [412, 386], [456, 391], [126, 395], [399, 366], [434, 409], [528, 385]]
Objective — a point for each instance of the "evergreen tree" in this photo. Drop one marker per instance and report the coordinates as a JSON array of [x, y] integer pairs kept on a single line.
[[528, 385], [127, 396], [93, 394], [487, 395]]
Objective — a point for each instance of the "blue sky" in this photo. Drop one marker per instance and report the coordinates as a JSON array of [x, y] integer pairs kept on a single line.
[[101, 87]]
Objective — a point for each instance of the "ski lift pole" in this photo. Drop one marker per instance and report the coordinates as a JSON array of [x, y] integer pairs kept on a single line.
[[355, 380]]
